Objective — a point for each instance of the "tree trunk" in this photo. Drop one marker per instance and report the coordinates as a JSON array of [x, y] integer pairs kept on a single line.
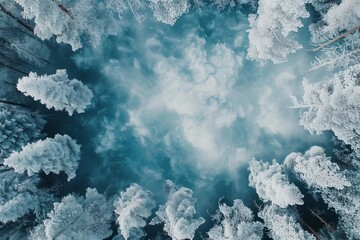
[[9, 83], [38, 57], [13, 103], [257, 206], [5, 169], [12, 68], [21, 22], [354, 29], [321, 220], [4, 41], [317, 236], [8, 46], [11, 63], [64, 9]]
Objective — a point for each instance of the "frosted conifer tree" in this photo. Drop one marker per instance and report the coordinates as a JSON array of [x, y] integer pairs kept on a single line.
[[236, 222], [31, 50], [77, 218], [168, 11], [333, 105], [339, 190], [17, 207], [339, 56], [18, 127], [282, 225], [70, 21], [270, 30], [120, 7], [346, 203], [18, 45], [57, 91], [340, 17], [133, 208], [273, 185], [231, 4], [322, 6], [60, 153], [14, 18], [178, 213], [316, 169], [19, 195]]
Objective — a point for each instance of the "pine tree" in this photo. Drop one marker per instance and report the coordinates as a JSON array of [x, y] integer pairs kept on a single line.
[[68, 21], [60, 153], [168, 11], [316, 169], [133, 208], [271, 184], [235, 222], [57, 91], [20, 195], [178, 213], [333, 105], [282, 224], [271, 29], [77, 218], [18, 127]]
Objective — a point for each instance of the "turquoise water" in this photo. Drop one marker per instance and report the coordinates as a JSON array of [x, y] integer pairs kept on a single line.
[[182, 103]]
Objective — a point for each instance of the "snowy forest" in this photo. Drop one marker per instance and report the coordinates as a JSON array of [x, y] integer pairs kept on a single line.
[[180, 119]]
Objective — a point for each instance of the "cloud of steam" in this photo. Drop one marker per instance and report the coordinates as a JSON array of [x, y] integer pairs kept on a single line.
[[186, 98]]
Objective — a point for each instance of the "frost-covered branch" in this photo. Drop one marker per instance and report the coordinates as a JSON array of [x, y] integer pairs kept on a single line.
[[65, 94], [178, 213], [60, 153], [271, 184], [133, 208]]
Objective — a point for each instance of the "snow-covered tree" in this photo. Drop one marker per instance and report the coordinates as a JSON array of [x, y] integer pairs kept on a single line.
[[13, 231], [333, 105], [133, 208], [120, 7], [344, 153], [77, 218], [339, 19], [11, 10], [60, 153], [9, 59], [316, 169], [19, 195], [271, 184], [178, 213], [339, 190], [18, 127], [222, 4], [342, 16], [31, 50], [350, 224], [322, 6], [168, 11], [271, 29], [18, 44], [70, 21], [236, 222], [282, 224], [17, 207], [346, 203], [339, 56], [57, 91]]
